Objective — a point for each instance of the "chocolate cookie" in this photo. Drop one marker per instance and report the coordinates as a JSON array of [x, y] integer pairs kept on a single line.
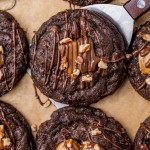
[[87, 2], [15, 133], [13, 52], [139, 63], [142, 139], [77, 57], [72, 128]]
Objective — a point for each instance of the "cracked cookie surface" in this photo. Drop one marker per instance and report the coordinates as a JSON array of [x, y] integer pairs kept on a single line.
[[81, 128], [15, 133], [13, 52]]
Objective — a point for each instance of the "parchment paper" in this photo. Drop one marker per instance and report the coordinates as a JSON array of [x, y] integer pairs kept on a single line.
[[125, 105]]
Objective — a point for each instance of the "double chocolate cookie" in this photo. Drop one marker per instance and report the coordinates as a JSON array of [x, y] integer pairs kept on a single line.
[[72, 128], [87, 2], [77, 57], [142, 139], [13, 52], [139, 64], [15, 133]]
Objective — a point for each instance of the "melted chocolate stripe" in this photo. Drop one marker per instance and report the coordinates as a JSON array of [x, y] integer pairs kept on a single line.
[[111, 130], [138, 51], [143, 84], [71, 50], [21, 46], [114, 144], [56, 71], [45, 63], [37, 95], [34, 52], [3, 72], [144, 126], [53, 55], [14, 46]]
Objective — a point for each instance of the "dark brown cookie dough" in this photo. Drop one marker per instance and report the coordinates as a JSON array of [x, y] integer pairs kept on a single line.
[[139, 64], [77, 57], [72, 128], [142, 139], [87, 2], [15, 133], [13, 52]]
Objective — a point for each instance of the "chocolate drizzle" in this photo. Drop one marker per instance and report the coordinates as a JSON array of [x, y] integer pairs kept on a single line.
[[3, 119], [144, 51], [38, 97], [102, 136], [14, 46], [21, 46], [70, 50], [147, 129]]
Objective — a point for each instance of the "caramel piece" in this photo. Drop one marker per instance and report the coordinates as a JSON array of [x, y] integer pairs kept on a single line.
[[142, 62], [1, 145], [146, 37], [2, 128]]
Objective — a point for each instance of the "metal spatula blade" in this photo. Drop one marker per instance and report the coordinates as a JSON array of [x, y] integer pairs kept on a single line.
[[118, 15], [123, 16]]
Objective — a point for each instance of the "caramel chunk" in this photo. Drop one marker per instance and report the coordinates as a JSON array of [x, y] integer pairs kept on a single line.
[[142, 62]]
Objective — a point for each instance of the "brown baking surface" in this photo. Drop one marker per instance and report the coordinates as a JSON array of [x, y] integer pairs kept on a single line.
[[125, 105]]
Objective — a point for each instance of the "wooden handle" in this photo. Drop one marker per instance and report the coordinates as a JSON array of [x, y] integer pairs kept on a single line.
[[137, 8]]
